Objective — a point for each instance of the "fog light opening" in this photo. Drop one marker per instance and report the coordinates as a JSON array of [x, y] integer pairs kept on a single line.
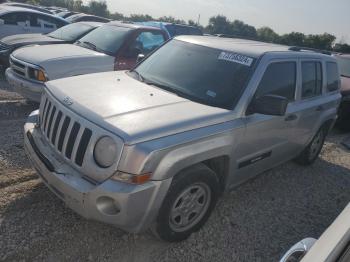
[[107, 206]]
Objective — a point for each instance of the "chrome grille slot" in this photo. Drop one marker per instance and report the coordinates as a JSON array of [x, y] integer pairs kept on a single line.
[[55, 128], [68, 137], [71, 140], [3, 46], [49, 125]]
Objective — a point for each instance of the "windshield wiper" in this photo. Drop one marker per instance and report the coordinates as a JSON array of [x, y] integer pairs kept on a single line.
[[165, 87], [90, 45], [140, 77]]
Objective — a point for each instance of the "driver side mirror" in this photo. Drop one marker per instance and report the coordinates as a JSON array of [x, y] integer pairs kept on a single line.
[[269, 105], [140, 58]]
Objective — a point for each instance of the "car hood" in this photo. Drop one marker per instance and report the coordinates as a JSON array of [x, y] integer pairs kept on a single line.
[[65, 60], [26, 39], [131, 109]]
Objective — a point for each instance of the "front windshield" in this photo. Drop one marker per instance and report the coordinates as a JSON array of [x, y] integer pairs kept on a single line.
[[107, 39], [70, 32], [344, 64], [202, 74]]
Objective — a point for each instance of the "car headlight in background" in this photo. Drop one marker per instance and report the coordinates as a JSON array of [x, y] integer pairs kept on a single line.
[[38, 74], [105, 152]]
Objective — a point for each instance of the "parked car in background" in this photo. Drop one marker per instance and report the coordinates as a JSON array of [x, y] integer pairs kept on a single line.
[[55, 10], [344, 109], [156, 146], [85, 17], [112, 46], [174, 29], [332, 246], [66, 14], [18, 20], [65, 35], [28, 6]]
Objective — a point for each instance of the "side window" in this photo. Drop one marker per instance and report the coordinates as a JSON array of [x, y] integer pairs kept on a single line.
[[43, 21], [333, 81], [279, 79], [181, 30], [16, 19], [312, 79], [146, 42]]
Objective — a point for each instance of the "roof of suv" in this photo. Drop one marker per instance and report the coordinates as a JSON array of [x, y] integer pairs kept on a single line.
[[247, 47]]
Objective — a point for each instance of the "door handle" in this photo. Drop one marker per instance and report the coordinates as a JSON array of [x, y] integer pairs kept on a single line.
[[320, 108], [291, 117]]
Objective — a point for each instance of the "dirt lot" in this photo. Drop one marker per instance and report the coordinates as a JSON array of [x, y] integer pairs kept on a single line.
[[258, 221]]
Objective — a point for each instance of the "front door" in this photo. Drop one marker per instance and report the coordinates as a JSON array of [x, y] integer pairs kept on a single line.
[[267, 140]]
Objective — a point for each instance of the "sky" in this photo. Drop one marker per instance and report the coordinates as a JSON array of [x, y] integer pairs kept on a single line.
[[306, 16]]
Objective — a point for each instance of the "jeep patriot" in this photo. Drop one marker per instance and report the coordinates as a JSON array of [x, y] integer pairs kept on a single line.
[[156, 146]]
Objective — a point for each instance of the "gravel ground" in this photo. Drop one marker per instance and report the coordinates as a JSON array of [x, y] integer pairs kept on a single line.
[[258, 221]]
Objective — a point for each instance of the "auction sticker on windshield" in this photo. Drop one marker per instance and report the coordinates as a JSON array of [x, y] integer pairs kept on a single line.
[[236, 58]]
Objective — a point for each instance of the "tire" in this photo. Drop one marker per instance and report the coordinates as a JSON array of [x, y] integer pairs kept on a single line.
[[343, 121], [312, 151], [188, 204]]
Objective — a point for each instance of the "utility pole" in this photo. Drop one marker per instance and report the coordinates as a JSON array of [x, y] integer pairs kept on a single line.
[[199, 18]]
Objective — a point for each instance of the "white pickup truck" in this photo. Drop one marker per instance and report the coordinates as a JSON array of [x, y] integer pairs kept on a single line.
[[113, 46]]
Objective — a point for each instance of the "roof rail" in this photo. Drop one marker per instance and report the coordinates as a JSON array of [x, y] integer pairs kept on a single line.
[[299, 49]]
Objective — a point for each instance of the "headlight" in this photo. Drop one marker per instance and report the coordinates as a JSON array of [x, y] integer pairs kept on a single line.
[[130, 178], [105, 152], [38, 74]]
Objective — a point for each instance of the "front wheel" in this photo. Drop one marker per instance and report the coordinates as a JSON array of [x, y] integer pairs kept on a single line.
[[311, 152], [188, 204]]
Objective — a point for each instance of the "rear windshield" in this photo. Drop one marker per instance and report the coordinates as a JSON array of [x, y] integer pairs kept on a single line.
[[107, 39], [202, 74], [344, 65], [71, 32]]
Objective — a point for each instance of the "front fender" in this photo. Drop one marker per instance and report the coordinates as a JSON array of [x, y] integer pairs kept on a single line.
[[165, 157]]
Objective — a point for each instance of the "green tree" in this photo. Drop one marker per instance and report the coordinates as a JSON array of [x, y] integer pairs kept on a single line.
[[171, 19], [324, 41], [98, 8], [342, 48], [140, 18], [219, 25], [266, 34], [117, 16], [240, 28], [293, 39]]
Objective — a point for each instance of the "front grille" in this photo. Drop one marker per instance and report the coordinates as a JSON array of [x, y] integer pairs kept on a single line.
[[23, 69], [3, 46], [69, 137]]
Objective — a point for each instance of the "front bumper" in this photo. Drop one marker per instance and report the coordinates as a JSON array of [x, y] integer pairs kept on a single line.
[[29, 89], [130, 207]]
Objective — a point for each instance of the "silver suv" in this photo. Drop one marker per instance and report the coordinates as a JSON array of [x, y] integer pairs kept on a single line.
[[156, 146]]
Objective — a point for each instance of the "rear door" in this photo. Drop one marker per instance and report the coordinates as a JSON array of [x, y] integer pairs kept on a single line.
[[40, 23], [311, 100], [143, 42]]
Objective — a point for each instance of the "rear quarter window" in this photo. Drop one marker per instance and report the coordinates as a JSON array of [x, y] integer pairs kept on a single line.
[[333, 80]]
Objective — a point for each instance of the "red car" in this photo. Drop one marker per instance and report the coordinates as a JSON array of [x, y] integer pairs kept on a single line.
[[344, 110]]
